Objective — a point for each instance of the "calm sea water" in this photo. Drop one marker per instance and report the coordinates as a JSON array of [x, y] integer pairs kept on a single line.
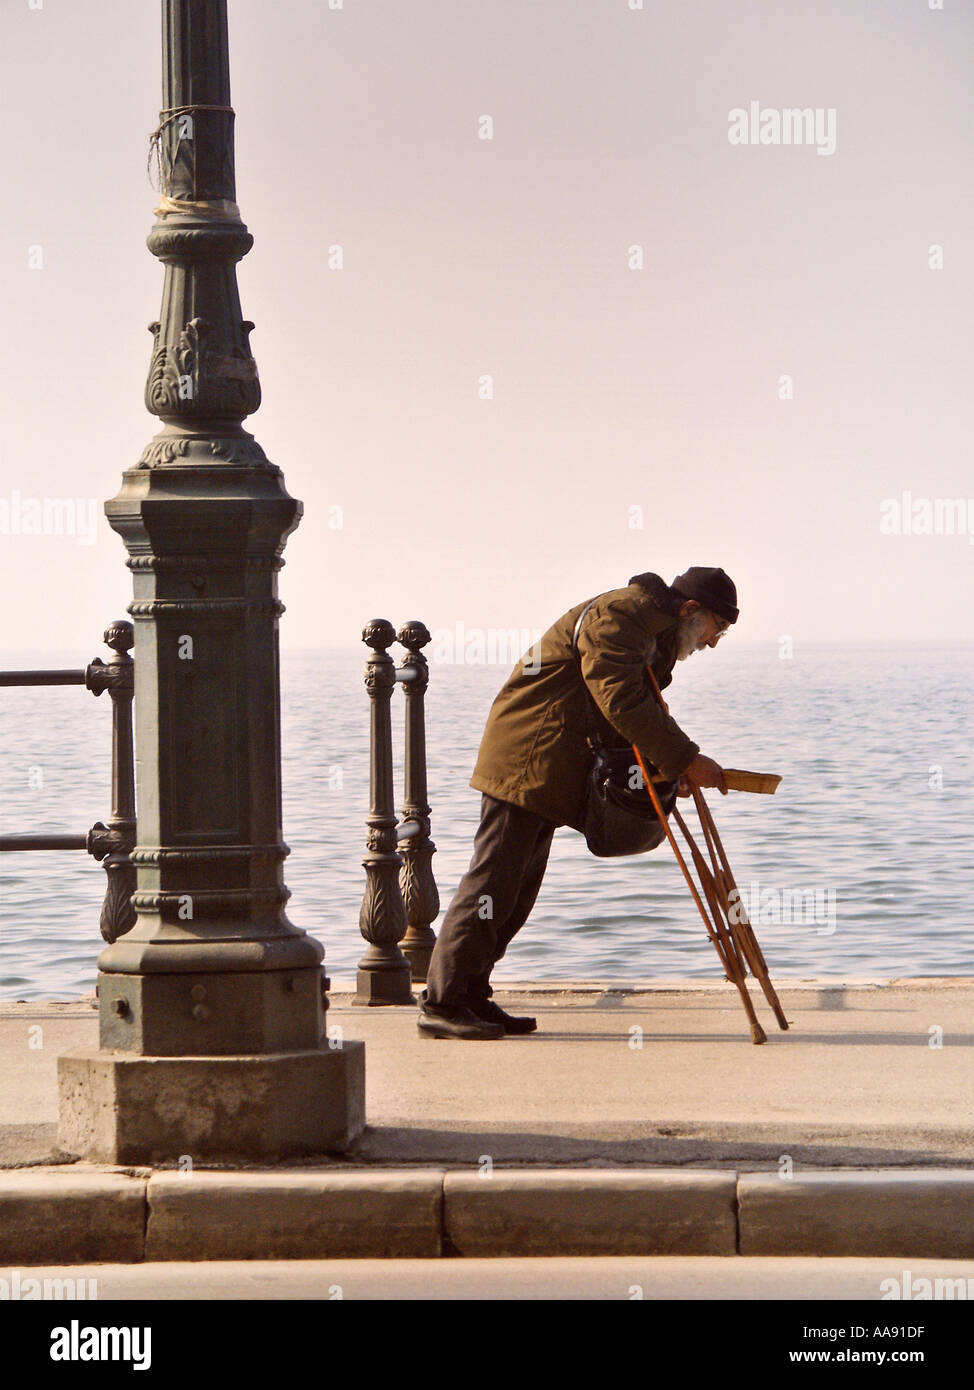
[[863, 859]]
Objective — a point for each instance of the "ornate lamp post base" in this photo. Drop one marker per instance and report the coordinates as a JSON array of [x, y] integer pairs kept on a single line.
[[199, 1014], [127, 1108]]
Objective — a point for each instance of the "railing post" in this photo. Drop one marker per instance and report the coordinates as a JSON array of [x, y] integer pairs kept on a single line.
[[383, 972], [113, 842], [420, 897]]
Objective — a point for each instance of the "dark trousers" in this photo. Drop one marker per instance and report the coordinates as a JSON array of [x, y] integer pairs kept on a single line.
[[492, 903]]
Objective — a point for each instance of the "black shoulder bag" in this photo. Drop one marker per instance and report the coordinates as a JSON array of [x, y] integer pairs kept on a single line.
[[619, 818]]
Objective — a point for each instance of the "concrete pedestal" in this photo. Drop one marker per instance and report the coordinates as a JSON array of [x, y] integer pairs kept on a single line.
[[121, 1108]]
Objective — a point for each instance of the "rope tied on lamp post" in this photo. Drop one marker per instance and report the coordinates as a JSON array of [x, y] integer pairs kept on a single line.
[[166, 117], [216, 208]]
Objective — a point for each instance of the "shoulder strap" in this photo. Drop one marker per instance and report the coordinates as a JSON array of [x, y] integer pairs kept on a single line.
[[593, 734], [578, 628], [590, 701], [578, 624]]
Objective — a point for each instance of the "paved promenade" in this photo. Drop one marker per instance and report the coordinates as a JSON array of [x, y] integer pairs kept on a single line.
[[639, 1119], [610, 1278]]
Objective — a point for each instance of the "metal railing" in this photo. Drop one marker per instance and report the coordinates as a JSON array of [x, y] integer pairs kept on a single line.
[[110, 844], [401, 898]]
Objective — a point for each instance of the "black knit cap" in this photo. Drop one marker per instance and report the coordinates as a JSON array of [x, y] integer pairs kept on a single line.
[[712, 589]]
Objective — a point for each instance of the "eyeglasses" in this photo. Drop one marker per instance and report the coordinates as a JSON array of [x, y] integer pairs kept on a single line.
[[721, 629]]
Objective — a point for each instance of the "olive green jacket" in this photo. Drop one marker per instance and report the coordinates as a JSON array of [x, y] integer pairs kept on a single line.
[[534, 750]]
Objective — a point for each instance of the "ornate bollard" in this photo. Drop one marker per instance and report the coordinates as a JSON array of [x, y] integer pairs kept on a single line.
[[383, 972], [112, 843], [420, 897]]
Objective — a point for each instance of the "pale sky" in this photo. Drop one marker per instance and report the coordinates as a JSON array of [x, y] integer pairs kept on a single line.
[[614, 388]]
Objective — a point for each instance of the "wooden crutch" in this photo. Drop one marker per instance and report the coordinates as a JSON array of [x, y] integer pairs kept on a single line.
[[736, 912], [723, 940], [731, 930]]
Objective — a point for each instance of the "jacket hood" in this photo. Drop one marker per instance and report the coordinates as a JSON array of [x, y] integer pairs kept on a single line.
[[665, 598]]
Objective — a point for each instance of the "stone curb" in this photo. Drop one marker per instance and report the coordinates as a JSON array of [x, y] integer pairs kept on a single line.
[[63, 1216], [395, 1214], [882, 1212], [555, 1211]]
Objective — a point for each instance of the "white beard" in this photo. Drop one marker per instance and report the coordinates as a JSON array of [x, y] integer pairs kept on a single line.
[[689, 633]]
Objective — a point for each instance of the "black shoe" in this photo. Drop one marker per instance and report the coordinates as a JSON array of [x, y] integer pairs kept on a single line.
[[456, 1023], [490, 1012]]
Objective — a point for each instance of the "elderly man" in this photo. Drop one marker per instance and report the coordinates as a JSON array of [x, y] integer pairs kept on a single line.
[[534, 761]]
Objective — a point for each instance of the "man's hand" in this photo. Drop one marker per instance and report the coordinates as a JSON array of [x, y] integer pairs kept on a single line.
[[705, 772]]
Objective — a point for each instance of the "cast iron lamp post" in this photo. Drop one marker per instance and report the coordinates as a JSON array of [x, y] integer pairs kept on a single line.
[[211, 1009]]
